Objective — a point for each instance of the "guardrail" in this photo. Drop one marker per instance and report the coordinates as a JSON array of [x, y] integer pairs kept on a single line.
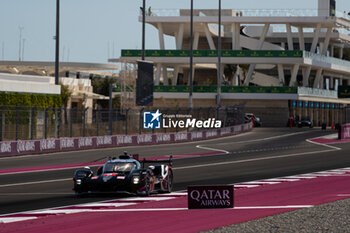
[[25, 147]]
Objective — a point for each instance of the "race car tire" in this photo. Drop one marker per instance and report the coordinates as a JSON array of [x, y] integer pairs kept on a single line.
[[147, 188], [170, 182], [79, 194]]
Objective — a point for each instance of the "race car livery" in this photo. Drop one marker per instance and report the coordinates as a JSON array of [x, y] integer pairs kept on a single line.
[[126, 174]]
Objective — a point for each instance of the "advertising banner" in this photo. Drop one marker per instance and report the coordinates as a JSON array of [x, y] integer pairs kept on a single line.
[[345, 131], [25, 147], [210, 197]]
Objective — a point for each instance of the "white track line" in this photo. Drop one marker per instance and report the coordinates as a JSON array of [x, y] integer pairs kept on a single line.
[[252, 160], [282, 179], [274, 207], [177, 209], [105, 204], [15, 219], [245, 186], [25, 194], [212, 149], [49, 170], [325, 145], [35, 182], [260, 182], [148, 199], [65, 211], [263, 139], [301, 177]]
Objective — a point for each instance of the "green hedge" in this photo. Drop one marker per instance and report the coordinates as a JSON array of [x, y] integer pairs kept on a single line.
[[25, 101], [30, 100]]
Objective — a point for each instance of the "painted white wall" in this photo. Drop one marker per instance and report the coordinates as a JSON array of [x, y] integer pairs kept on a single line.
[[28, 84]]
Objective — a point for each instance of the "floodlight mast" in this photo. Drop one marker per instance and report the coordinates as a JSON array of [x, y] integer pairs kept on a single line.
[[190, 99], [57, 37]]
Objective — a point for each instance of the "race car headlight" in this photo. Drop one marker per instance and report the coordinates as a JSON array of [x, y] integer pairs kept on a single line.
[[135, 180], [78, 182]]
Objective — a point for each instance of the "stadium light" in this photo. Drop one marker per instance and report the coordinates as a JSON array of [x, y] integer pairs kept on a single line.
[[190, 99], [143, 28], [218, 96], [57, 37]]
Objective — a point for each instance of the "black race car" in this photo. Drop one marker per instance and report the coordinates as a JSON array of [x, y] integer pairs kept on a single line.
[[305, 122], [126, 174]]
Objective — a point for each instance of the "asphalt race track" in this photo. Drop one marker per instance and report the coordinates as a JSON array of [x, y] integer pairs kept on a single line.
[[261, 154]]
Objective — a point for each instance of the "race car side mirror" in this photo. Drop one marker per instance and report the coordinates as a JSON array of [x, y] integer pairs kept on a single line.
[[99, 171]]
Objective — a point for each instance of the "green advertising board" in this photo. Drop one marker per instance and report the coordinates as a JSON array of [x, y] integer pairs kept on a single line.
[[343, 91], [213, 53], [225, 89]]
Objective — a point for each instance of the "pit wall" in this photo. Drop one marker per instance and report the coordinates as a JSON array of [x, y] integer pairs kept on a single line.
[[26, 147]]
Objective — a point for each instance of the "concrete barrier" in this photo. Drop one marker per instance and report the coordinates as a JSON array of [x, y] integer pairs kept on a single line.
[[26, 147]]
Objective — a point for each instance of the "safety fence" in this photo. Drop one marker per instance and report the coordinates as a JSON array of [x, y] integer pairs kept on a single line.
[[24, 147], [30, 123]]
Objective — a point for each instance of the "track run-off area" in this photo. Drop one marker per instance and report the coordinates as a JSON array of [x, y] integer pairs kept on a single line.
[[274, 170]]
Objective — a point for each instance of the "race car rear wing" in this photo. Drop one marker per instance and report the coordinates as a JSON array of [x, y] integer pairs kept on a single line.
[[167, 161]]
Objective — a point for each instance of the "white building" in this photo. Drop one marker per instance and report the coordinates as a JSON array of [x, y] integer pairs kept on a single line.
[[279, 48]]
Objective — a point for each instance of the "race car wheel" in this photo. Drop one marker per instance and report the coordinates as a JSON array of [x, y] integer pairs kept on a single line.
[[147, 188], [170, 182]]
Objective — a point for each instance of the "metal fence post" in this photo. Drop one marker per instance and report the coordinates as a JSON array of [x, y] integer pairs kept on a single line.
[[165, 112], [58, 122], [32, 123], [177, 111], [225, 119], [110, 108], [188, 113], [140, 120], [17, 122], [97, 115], [84, 121], [217, 113], [45, 123], [71, 122], [126, 121], [1, 108]]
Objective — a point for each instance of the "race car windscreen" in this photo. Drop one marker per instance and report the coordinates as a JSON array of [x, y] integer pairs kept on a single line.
[[119, 167]]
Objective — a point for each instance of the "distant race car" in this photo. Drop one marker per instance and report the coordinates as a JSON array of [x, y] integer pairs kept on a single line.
[[305, 122], [126, 174]]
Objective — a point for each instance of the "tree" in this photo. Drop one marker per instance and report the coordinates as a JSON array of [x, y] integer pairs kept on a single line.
[[66, 94], [231, 69], [101, 86]]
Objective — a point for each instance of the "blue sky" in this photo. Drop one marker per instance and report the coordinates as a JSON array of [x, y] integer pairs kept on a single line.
[[89, 26]]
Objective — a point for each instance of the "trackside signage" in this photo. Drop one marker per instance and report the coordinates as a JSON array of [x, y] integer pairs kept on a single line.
[[344, 132], [210, 197], [25, 147]]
